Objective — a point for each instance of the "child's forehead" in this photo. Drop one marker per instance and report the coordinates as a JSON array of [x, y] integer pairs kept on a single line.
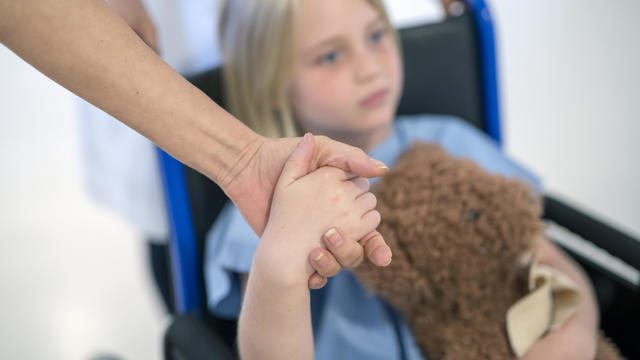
[[319, 20]]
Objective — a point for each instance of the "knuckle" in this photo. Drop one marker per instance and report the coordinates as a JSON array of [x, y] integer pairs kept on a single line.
[[330, 174], [334, 270], [318, 282], [370, 200], [374, 201], [328, 271], [354, 257], [375, 218], [325, 173], [371, 240], [334, 198], [355, 261], [362, 183]]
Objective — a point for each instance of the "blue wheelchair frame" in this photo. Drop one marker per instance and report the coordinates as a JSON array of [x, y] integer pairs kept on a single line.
[[185, 266]]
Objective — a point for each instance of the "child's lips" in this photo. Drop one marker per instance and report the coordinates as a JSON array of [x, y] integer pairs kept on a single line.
[[375, 99]]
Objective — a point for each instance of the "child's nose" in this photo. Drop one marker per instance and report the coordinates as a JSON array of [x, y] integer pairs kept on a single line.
[[366, 67]]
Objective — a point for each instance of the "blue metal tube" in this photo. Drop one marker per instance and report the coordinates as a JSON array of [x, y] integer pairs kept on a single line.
[[488, 67], [184, 253]]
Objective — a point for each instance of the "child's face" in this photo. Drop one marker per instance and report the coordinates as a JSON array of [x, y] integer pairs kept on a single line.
[[347, 71]]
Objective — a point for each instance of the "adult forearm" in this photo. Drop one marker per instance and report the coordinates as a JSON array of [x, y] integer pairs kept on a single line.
[[85, 47]]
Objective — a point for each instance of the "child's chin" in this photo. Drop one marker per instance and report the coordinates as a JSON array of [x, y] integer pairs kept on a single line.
[[377, 120]]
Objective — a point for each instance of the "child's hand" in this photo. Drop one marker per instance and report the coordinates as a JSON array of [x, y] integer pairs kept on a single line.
[[569, 342], [303, 207], [576, 339]]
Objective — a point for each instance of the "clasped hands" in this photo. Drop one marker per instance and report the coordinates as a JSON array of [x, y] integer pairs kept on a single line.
[[251, 181], [310, 196]]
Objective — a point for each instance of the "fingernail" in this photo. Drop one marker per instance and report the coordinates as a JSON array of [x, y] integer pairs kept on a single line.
[[379, 164], [333, 237], [388, 262], [318, 257]]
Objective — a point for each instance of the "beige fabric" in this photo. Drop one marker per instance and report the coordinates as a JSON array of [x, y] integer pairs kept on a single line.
[[552, 299]]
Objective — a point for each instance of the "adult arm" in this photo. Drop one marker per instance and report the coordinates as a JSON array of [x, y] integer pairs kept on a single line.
[[135, 14], [84, 46]]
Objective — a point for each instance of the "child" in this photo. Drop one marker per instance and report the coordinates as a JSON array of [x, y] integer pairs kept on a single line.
[[332, 67]]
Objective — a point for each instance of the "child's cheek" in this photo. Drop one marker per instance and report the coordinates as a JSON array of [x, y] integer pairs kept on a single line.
[[332, 93], [330, 96], [398, 76], [321, 98], [395, 69]]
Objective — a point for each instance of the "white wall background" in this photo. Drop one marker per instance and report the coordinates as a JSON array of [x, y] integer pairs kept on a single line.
[[570, 76], [569, 80], [73, 276]]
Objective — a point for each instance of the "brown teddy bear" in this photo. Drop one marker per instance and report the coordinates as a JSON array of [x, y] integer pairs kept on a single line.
[[462, 244]]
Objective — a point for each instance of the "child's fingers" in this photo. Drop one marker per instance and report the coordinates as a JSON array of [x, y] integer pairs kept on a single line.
[[317, 281], [361, 183], [367, 202], [376, 249], [347, 252], [324, 263], [370, 221]]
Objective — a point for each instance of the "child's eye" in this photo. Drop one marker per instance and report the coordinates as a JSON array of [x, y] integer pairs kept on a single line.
[[329, 58], [376, 36]]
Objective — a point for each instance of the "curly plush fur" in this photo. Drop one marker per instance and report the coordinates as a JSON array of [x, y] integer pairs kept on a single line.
[[460, 237]]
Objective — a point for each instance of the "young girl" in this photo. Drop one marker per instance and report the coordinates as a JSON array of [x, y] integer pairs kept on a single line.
[[332, 67]]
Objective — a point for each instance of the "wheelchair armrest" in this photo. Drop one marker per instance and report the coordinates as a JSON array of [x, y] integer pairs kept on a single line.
[[190, 337], [600, 245]]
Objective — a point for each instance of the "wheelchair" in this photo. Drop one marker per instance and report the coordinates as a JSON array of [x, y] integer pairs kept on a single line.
[[453, 71]]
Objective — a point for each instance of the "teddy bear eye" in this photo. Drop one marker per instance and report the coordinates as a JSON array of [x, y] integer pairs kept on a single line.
[[472, 214]]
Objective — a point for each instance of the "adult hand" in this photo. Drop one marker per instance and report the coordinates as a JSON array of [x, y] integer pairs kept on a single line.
[[136, 16], [251, 182], [453, 7]]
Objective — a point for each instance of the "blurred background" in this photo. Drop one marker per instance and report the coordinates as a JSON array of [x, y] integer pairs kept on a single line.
[[74, 277]]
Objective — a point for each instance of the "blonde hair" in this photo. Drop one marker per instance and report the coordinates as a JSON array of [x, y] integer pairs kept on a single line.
[[257, 45]]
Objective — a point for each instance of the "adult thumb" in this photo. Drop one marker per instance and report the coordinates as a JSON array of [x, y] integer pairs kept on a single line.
[[299, 162]]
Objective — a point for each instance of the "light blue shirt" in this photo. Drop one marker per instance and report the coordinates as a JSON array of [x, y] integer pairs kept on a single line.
[[349, 323]]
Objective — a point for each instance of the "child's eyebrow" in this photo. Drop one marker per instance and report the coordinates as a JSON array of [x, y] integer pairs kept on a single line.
[[338, 39], [375, 22], [334, 40]]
